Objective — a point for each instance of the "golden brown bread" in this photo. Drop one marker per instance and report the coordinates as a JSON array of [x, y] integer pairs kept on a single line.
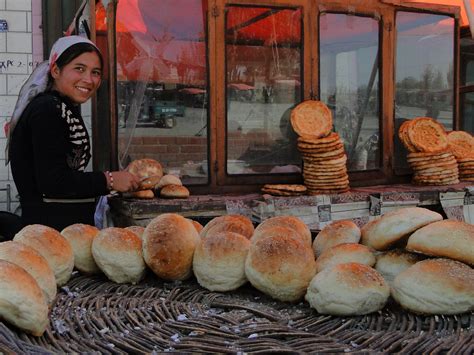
[[52, 246], [22, 303], [118, 253], [345, 253], [447, 238], [169, 180], [169, 242], [199, 227], [393, 262], [80, 237], [229, 223], [281, 267], [336, 232], [174, 191], [145, 168], [348, 289], [32, 262], [435, 286], [143, 194], [138, 230], [291, 222], [382, 233], [219, 261], [311, 119]]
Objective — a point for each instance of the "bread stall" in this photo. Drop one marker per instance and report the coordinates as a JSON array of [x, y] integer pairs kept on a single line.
[[306, 185]]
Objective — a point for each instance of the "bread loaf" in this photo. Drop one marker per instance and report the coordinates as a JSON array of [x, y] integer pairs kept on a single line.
[[138, 230], [292, 222], [118, 253], [229, 223], [448, 238], [345, 253], [275, 231], [393, 262], [169, 242], [281, 267], [337, 232], [169, 180], [393, 226], [32, 262], [219, 261], [348, 289], [174, 191], [22, 303], [435, 286], [52, 246], [142, 194], [80, 237]]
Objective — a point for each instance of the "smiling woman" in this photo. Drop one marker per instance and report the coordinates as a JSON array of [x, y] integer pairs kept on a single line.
[[49, 146]]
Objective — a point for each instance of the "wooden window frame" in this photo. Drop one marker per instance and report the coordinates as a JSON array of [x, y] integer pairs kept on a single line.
[[385, 10]]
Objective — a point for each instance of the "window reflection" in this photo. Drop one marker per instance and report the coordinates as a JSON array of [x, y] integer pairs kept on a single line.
[[263, 75], [349, 83], [424, 71], [162, 85]]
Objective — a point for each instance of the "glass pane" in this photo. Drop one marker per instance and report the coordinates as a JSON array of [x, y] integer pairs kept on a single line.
[[349, 82], [424, 72], [467, 112], [162, 85], [263, 63], [467, 61]]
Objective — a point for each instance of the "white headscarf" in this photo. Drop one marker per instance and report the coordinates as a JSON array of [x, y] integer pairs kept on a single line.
[[38, 82]]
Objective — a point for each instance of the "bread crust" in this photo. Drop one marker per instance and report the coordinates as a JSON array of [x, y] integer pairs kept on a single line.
[[311, 119], [229, 223], [80, 237], [52, 246], [292, 222], [345, 253], [435, 286], [335, 233], [447, 238]]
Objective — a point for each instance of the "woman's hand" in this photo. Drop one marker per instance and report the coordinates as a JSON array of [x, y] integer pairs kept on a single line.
[[122, 181]]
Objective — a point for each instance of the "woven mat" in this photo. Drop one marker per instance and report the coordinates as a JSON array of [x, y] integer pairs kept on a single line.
[[92, 314]]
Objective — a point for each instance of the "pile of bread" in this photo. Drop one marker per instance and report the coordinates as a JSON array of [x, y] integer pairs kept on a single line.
[[334, 273], [324, 158], [437, 157], [152, 180], [284, 189]]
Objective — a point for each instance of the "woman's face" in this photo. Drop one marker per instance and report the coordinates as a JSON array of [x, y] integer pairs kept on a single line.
[[80, 78]]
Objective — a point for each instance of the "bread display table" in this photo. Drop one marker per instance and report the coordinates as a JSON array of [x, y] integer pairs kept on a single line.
[[93, 314], [360, 205]]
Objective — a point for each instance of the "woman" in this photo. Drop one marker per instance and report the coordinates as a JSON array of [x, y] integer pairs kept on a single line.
[[49, 147]]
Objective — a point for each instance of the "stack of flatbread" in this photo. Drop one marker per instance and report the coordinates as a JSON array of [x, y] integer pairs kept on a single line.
[[429, 155], [284, 189], [461, 145], [324, 169]]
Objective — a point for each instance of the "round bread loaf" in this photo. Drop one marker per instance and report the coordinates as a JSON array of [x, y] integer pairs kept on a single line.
[[274, 231], [348, 289], [229, 223], [393, 262], [169, 180], [80, 236], [219, 261], [145, 168], [281, 267], [448, 238], [345, 253], [337, 232], [393, 226], [118, 253], [174, 191], [143, 194], [435, 286], [52, 246], [32, 262], [22, 302], [169, 242], [292, 222], [138, 230], [197, 225]]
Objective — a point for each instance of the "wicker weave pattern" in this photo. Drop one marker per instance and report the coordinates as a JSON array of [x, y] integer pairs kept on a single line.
[[92, 314]]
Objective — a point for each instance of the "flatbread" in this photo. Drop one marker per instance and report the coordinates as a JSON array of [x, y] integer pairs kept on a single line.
[[312, 119], [286, 187], [403, 135], [427, 135], [461, 144]]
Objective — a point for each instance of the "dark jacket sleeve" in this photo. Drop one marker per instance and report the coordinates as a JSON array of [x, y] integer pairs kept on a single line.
[[55, 178]]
